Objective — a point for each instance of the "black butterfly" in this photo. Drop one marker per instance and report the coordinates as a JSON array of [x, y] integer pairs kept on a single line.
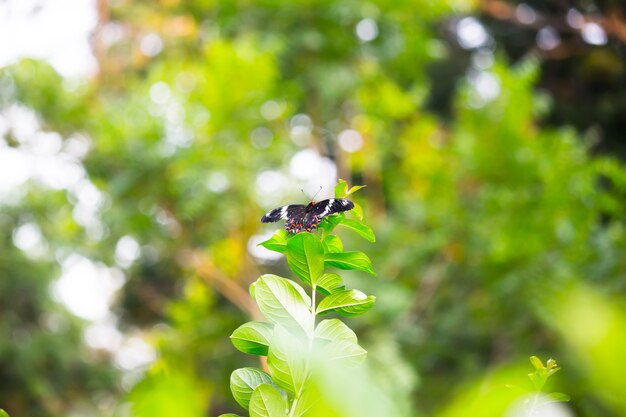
[[301, 218]]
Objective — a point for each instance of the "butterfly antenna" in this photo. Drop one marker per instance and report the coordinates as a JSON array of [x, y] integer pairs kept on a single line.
[[306, 195], [318, 191]]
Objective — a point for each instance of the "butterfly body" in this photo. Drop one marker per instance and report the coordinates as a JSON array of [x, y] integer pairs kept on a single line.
[[300, 218]]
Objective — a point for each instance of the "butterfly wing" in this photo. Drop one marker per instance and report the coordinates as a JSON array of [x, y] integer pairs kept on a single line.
[[326, 208], [299, 218], [285, 212], [331, 206]]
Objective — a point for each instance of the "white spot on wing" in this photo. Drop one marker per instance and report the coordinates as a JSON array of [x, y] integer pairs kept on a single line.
[[283, 212], [328, 207]]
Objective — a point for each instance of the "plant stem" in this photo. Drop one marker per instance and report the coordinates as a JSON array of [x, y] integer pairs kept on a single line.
[[531, 410], [293, 406], [299, 393], [313, 292]]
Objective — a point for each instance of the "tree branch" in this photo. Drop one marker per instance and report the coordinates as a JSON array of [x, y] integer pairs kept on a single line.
[[223, 284], [612, 23]]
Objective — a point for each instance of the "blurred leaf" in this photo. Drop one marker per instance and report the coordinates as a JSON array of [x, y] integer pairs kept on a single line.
[[536, 362], [350, 260], [252, 337], [277, 243], [334, 329], [348, 391], [307, 403], [559, 397], [3, 413], [287, 360], [267, 401], [252, 290], [283, 302], [354, 189], [538, 380], [595, 329], [341, 189], [357, 211], [329, 283], [364, 231], [243, 381], [163, 395], [490, 396], [348, 303], [305, 257], [344, 351]]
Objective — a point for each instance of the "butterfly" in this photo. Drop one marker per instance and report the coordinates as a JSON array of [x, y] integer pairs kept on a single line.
[[301, 218]]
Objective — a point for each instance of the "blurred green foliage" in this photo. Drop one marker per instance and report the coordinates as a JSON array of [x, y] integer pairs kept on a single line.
[[44, 365], [489, 210]]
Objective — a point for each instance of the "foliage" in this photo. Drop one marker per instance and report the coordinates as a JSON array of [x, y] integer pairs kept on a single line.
[[499, 228], [491, 396], [39, 338], [539, 379], [593, 325], [292, 341]]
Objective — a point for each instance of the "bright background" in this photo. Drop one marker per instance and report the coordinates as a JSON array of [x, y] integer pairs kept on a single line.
[[143, 140]]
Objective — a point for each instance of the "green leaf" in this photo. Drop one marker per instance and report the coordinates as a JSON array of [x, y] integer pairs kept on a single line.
[[282, 301], [354, 189], [330, 222], [332, 244], [345, 351], [357, 211], [252, 337], [334, 329], [305, 257], [277, 243], [267, 401], [552, 371], [348, 303], [559, 397], [3, 413], [329, 283], [301, 291], [308, 399], [552, 367], [364, 231], [349, 260], [252, 290], [538, 379], [286, 360], [341, 189], [536, 362], [244, 380]]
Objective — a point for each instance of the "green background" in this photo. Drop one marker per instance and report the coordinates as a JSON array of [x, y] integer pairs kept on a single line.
[[494, 185]]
